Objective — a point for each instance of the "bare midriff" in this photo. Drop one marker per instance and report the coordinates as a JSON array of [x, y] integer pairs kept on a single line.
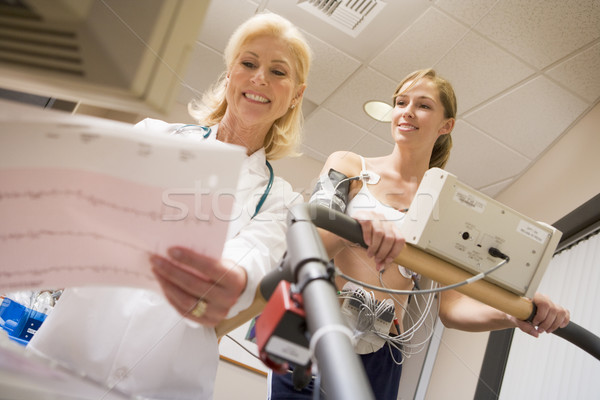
[[354, 262]]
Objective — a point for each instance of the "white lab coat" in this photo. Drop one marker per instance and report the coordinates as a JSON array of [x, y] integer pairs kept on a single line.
[[133, 339]]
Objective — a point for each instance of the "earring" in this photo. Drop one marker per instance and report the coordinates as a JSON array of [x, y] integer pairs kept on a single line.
[[292, 106]]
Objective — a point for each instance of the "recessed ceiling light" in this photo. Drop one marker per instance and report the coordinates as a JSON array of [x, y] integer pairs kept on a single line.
[[378, 110]]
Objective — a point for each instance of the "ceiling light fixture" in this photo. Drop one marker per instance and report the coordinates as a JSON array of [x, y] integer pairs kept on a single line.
[[378, 110]]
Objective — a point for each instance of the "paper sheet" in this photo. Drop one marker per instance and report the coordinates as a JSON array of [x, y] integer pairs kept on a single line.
[[84, 201]]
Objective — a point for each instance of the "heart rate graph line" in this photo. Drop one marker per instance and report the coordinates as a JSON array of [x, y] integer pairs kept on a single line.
[[27, 275], [36, 277], [91, 199], [80, 195], [42, 233], [96, 268]]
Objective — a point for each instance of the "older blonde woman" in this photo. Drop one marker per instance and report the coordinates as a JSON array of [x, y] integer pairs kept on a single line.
[[136, 340]]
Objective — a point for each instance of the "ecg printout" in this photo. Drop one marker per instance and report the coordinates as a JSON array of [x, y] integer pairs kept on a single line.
[[84, 201]]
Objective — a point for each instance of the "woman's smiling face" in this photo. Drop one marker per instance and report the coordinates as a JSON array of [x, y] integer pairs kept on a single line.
[[418, 112], [262, 81]]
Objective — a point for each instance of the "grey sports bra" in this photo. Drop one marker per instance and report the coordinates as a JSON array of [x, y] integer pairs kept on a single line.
[[365, 201]]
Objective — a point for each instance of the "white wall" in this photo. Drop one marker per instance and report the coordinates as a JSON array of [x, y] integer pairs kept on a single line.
[[235, 382], [565, 177]]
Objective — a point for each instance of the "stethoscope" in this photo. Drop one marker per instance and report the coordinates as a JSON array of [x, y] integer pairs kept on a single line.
[[205, 131]]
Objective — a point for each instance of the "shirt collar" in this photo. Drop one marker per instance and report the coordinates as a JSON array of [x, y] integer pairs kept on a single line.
[[256, 162]]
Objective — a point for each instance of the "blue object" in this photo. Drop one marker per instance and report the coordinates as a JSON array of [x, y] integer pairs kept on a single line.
[[20, 322], [267, 190]]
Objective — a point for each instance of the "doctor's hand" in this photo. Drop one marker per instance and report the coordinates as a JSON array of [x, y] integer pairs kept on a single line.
[[382, 237], [548, 317], [200, 288]]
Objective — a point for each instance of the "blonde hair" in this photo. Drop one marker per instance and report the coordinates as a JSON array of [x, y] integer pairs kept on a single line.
[[285, 135], [443, 145]]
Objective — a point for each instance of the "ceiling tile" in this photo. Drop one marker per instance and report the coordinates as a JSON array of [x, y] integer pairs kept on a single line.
[[312, 153], [205, 67], [308, 107], [179, 114], [530, 117], [303, 180], [420, 46], [325, 132], [366, 84], [478, 160], [330, 68], [474, 77], [221, 20], [580, 73], [468, 11], [494, 190], [372, 146], [542, 32], [383, 131]]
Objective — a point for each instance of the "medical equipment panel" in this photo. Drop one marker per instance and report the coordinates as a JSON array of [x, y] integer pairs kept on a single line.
[[459, 224]]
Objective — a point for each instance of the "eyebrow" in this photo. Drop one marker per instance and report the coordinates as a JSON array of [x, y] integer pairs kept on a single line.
[[275, 61], [420, 97]]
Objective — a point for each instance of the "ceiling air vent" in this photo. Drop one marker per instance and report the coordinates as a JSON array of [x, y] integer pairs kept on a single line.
[[100, 52], [349, 16], [30, 42]]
